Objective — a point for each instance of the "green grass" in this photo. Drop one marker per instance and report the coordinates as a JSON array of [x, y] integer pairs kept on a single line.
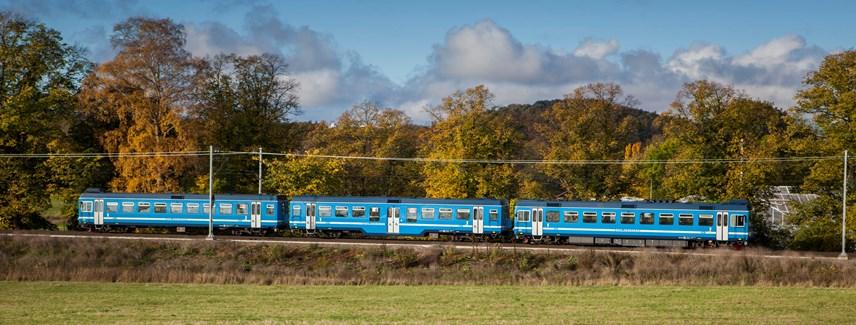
[[74, 302]]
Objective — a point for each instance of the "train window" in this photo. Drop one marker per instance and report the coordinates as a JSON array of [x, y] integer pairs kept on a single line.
[[270, 209], [411, 214], [589, 217], [705, 220], [358, 212], [647, 218], [607, 217], [160, 207], [738, 220], [494, 215], [445, 213], [552, 216], [206, 208], [225, 208], [127, 206], [685, 219], [175, 208], [572, 216], [193, 208], [667, 219], [241, 209], [464, 214], [427, 213], [295, 211], [143, 207], [86, 206], [341, 212], [325, 211], [112, 206], [523, 215], [627, 218], [374, 214]]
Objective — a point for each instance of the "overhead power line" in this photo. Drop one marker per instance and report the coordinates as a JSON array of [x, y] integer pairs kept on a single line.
[[560, 162], [422, 160]]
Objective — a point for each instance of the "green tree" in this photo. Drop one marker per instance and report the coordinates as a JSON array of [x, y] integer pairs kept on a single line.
[[140, 99], [39, 78], [829, 100], [466, 127], [368, 130], [709, 121], [242, 104]]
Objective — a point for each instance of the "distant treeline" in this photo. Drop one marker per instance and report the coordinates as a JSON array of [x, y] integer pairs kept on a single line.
[[154, 96]]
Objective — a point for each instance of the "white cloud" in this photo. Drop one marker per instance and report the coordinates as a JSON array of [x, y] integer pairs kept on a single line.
[[485, 53], [330, 79], [596, 50]]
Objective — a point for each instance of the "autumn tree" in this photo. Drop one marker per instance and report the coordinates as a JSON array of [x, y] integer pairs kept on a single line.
[[39, 79], [829, 101], [140, 97], [594, 122], [305, 175], [466, 127], [368, 130], [242, 104], [706, 124]]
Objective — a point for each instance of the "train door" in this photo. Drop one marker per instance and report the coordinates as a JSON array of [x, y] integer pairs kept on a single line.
[[98, 212], [310, 216], [392, 221], [537, 222], [478, 220], [256, 215], [722, 226]]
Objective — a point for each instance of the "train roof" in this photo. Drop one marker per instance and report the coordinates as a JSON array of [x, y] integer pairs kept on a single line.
[[179, 196], [387, 199], [729, 205]]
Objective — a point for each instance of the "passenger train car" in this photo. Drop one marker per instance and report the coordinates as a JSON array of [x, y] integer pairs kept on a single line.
[[576, 222], [136, 210], [391, 216], [632, 223]]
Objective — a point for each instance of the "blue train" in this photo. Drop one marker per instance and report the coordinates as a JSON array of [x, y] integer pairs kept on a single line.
[[632, 223], [251, 213], [382, 216], [655, 224]]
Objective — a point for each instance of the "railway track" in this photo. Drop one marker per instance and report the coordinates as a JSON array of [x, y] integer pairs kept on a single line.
[[423, 244]]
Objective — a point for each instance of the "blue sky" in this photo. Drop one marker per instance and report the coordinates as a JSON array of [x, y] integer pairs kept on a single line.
[[409, 54]]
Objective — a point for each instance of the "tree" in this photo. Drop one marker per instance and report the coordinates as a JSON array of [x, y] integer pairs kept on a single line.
[[466, 127], [140, 99], [829, 100], [305, 175], [709, 121], [368, 130], [241, 104], [592, 123], [39, 78]]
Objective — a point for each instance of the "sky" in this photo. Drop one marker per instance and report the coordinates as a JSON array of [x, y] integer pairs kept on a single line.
[[410, 54]]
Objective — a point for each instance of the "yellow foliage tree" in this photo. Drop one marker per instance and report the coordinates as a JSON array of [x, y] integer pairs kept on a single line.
[[465, 127], [140, 96], [305, 175]]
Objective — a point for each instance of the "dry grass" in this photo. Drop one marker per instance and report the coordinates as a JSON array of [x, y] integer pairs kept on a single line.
[[104, 260]]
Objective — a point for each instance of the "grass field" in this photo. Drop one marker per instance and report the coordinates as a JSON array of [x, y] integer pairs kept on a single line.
[[75, 302]]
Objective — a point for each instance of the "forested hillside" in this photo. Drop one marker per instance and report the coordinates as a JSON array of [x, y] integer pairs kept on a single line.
[[713, 143]]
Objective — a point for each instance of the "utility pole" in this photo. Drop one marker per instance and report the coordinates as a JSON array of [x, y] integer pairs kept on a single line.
[[210, 192], [260, 171], [843, 254]]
